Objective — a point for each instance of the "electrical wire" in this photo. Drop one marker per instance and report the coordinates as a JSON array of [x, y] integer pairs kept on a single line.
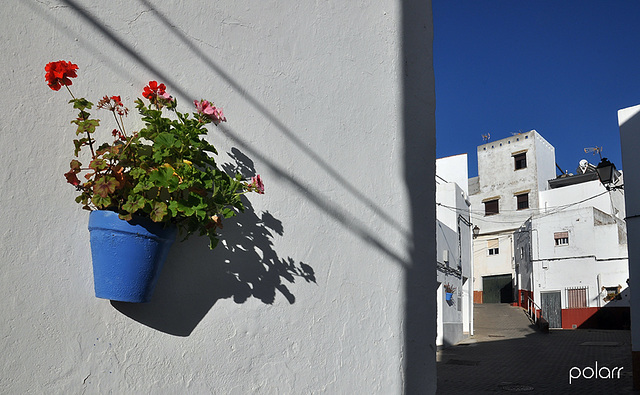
[[555, 209]]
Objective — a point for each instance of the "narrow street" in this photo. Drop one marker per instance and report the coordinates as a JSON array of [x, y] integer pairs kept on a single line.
[[507, 354]]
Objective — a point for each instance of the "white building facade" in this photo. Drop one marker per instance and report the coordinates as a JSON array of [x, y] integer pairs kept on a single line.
[[572, 263], [511, 173], [454, 246], [559, 242]]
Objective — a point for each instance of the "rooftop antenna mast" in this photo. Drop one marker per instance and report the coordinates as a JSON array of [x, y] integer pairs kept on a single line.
[[593, 150]]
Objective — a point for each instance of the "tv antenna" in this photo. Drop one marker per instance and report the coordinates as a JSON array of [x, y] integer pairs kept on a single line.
[[594, 150], [486, 137]]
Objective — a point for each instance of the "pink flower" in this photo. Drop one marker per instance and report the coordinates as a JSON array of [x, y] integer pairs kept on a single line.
[[256, 184], [210, 111]]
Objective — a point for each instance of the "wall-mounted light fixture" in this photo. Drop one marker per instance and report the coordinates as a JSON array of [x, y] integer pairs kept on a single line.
[[607, 174], [476, 231]]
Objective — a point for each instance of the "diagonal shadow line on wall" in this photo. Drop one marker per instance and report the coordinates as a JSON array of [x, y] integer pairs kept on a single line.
[[279, 125], [343, 217], [244, 93], [106, 60], [419, 318]]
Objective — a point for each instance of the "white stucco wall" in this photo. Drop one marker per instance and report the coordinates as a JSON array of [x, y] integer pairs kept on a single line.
[[497, 178], [545, 162], [594, 257], [454, 257], [492, 265], [586, 194], [333, 102], [454, 169], [629, 123]]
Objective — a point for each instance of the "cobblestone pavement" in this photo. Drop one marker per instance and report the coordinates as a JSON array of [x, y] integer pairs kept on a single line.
[[508, 355]]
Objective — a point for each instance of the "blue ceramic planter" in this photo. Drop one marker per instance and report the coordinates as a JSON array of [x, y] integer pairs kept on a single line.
[[127, 255], [448, 295]]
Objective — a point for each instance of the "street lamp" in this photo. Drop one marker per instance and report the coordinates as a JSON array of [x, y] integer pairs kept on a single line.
[[476, 231], [606, 173]]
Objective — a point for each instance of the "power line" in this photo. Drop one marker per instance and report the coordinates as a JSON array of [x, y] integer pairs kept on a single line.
[[555, 209]]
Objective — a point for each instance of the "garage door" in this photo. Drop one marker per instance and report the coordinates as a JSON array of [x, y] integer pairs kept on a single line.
[[497, 289]]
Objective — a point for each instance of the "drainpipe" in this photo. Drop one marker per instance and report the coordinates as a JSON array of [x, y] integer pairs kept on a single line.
[[598, 290]]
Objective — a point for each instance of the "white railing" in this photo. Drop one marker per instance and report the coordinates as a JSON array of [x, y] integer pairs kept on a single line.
[[534, 311]]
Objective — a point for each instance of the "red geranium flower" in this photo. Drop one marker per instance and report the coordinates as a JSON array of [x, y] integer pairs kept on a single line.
[[58, 74], [154, 90]]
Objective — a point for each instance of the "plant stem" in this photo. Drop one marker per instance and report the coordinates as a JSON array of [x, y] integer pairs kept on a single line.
[[84, 118], [119, 124], [69, 90]]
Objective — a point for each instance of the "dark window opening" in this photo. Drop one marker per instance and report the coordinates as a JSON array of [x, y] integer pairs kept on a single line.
[[523, 201], [520, 160], [491, 207]]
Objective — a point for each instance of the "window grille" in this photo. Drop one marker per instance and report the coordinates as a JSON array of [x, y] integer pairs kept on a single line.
[[577, 298]]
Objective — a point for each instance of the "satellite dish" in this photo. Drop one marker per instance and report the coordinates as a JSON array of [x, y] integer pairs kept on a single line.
[[584, 164]]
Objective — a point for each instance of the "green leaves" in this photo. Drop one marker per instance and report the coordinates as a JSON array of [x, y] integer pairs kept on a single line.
[[161, 177], [165, 171], [134, 203], [79, 144], [98, 164], [158, 212], [81, 104], [86, 125], [105, 186]]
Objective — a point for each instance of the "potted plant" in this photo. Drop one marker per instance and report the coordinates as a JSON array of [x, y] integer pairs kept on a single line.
[[449, 291], [145, 186]]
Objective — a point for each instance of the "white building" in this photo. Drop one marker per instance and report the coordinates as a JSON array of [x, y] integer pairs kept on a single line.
[[334, 104], [455, 258], [511, 173], [629, 122], [572, 260], [557, 241]]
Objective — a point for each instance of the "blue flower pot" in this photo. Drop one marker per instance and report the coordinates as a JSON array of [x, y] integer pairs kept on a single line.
[[127, 255], [448, 295]]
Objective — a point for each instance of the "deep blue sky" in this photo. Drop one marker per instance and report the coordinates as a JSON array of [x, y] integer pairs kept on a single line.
[[563, 68]]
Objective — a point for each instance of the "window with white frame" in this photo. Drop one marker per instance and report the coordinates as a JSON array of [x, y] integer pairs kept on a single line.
[[493, 246], [561, 238], [577, 298]]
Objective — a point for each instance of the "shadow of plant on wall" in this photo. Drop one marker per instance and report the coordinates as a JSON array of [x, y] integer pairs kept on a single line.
[[244, 265]]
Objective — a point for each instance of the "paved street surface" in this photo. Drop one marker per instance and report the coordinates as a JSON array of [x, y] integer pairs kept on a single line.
[[508, 355]]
